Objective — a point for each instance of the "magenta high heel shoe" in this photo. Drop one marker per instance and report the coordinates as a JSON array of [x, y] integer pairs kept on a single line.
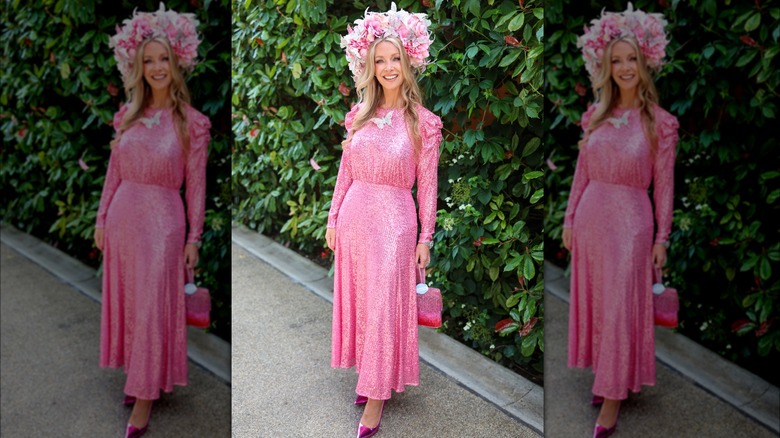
[[361, 400], [137, 432], [134, 432], [365, 432], [603, 432]]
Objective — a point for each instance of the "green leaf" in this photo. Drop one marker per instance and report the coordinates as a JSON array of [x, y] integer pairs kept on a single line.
[[533, 175], [537, 196], [529, 271], [765, 269], [516, 22], [753, 22]]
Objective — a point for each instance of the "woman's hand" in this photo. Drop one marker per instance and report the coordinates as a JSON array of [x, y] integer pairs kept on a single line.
[[330, 238], [422, 255], [99, 238], [659, 255], [567, 238], [190, 255]]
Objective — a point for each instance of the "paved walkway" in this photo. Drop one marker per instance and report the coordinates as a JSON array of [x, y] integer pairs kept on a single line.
[[676, 407], [51, 383]]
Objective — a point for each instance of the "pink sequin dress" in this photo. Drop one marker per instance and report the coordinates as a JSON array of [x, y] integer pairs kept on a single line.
[[373, 212], [143, 327], [611, 217]]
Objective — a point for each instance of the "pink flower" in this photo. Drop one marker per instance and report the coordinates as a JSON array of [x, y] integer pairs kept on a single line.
[[83, 165], [411, 29], [314, 164]]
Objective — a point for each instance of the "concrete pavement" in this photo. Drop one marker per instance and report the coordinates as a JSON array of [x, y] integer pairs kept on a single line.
[[697, 393], [51, 383]]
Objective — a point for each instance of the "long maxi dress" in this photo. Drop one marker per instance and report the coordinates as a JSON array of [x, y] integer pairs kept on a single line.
[[143, 327], [373, 212], [611, 217]]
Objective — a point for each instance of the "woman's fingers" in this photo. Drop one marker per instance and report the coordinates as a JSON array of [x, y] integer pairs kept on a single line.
[[330, 238], [422, 255], [99, 238], [567, 238]]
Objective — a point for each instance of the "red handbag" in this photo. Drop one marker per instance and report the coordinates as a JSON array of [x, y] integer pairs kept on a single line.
[[666, 304], [198, 303], [428, 303]]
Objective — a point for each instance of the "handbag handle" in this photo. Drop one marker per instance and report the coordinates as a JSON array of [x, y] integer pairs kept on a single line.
[[421, 274], [189, 275], [421, 287], [658, 282], [189, 281]]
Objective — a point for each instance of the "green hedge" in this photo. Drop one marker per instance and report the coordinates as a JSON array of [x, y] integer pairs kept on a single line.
[[721, 82], [291, 90], [60, 89]]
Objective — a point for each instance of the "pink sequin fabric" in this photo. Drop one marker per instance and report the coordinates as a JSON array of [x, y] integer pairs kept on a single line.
[[611, 217], [143, 315], [373, 212]]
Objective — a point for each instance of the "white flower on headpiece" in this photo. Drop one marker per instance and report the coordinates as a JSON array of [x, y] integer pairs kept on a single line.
[[180, 29], [647, 29], [411, 29]]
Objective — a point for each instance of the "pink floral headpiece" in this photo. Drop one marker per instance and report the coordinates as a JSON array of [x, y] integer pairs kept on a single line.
[[411, 29], [180, 29], [647, 29]]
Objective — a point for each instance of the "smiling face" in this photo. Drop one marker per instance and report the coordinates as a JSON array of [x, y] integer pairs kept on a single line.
[[624, 67], [157, 66], [387, 66]]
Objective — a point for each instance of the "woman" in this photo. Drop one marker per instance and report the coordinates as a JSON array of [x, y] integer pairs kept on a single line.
[[629, 142], [392, 140], [161, 142]]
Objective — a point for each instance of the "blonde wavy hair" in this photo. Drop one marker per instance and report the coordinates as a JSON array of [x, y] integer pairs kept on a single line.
[[370, 94], [139, 93], [607, 93]]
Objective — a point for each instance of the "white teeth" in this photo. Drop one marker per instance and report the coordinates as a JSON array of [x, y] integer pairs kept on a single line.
[[390, 78]]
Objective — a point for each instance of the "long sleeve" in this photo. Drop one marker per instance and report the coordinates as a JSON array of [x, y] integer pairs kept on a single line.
[[195, 174], [344, 178], [113, 178], [581, 177], [663, 176], [427, 173], [113, 174]]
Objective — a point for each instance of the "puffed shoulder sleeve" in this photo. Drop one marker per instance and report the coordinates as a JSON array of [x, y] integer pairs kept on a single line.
[[199, 130], [118, 116], [350, 117], [663, 174], [427, 173], [667, 130], [198, 126], [586, 116], [430, 127]]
